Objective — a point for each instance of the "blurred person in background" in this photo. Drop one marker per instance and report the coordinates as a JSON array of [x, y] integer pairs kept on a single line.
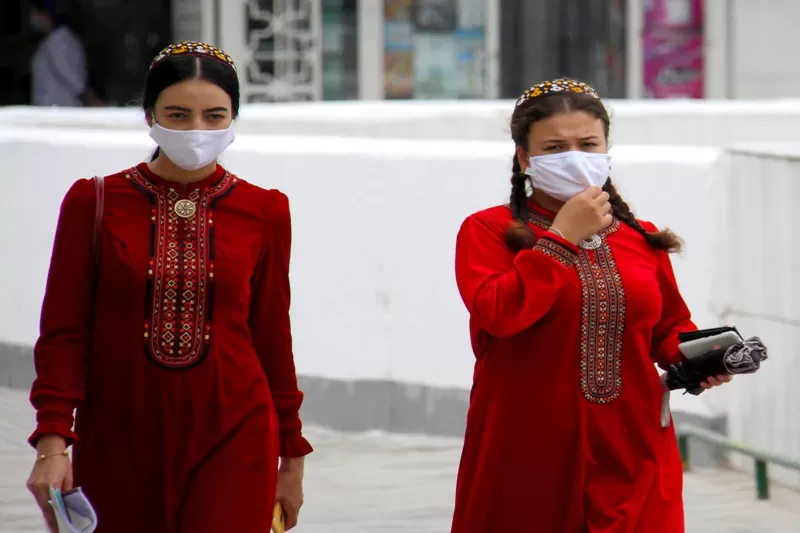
[[572, 300], [172, 337], [59, 75]]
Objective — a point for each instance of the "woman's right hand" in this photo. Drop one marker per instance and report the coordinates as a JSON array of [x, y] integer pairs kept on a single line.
[[584, 215], [54, 471]]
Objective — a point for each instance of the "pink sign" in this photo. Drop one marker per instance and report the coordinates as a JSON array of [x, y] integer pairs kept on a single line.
[[672, 41]]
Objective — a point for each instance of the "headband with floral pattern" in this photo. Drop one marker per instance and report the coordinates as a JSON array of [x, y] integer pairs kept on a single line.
[[194, 48], [557, 86]]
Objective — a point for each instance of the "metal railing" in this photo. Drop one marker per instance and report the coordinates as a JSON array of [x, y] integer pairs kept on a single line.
[[761, 459]]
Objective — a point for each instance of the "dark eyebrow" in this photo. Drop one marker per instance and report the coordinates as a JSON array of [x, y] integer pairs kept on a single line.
[[558, 139], [187, 110]]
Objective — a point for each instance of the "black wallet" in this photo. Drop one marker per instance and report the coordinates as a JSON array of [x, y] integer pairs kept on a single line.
[[703, 333], [743, 357]]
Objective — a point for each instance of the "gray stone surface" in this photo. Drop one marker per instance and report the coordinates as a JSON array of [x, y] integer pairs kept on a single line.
[[373, 482]]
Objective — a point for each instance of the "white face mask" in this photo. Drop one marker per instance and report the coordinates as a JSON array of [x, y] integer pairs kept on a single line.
[[192, 149], [567, 174]]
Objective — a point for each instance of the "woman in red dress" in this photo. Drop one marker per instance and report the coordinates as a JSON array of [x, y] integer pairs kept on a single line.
[[176, 347], [572, 300]]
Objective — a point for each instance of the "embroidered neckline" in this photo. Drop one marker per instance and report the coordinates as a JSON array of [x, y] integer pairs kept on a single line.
[[180, 297], [211, 180], [603, 311], [541, 220]]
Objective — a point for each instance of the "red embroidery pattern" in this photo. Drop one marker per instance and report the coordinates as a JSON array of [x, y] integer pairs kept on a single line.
[[603, 312], [556, 250], [602, 324], [177, 330]]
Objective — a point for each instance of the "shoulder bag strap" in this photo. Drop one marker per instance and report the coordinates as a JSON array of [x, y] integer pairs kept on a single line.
[[99, 205]]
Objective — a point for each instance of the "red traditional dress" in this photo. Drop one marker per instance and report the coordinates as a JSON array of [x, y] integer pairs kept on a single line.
[[181, 368], [563, 431]]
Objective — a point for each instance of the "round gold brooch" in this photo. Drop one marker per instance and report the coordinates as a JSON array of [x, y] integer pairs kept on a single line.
[[185, 208]]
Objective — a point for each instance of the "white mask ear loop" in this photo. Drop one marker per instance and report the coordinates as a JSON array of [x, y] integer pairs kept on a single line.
[[153, 122]]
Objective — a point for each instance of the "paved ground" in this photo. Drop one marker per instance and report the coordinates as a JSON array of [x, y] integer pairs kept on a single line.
[[370, 483]]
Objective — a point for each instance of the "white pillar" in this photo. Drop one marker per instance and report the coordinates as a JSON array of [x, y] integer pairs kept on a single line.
[[369, 23], [193, 20], [492, 30], [634, 56], [717, 48], [232, 32]]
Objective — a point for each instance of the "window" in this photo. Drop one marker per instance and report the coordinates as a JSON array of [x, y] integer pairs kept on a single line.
[[339, 50], [434, 49]]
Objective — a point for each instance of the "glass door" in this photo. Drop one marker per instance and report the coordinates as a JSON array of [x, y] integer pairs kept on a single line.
[[544, 39], [120, 37]]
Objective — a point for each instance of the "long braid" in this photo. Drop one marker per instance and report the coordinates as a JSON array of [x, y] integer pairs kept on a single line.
[[519, 235], [519, 197], [662, 240]]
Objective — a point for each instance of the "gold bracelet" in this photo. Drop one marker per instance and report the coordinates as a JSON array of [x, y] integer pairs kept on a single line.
[[45, 456]]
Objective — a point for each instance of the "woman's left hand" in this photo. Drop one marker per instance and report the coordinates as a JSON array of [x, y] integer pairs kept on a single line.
[[290, 489], [713, 381]]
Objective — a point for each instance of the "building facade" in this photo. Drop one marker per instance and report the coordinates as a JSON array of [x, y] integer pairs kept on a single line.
[[351, 49], [291, 50], [296, 50], [399, 49]]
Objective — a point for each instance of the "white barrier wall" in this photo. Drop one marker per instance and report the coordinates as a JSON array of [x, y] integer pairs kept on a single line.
[[674, 122], [375, 221], [763, 288]]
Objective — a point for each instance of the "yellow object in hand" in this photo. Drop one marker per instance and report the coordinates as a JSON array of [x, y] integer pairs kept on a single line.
[[278, 524]]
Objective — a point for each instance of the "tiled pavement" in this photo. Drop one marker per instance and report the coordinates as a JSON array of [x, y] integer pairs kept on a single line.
[[396, 484]]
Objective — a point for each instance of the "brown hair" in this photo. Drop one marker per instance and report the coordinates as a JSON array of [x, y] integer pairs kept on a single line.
[[519, 235]]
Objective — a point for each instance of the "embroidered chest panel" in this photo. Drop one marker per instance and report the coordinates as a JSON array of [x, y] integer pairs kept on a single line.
[[602, 318], [178, 326]]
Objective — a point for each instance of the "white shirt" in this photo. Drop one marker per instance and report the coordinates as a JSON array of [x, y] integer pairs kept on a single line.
[[59, 76]]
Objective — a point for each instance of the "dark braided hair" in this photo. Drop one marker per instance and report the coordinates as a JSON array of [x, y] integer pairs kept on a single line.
[[519, 235]]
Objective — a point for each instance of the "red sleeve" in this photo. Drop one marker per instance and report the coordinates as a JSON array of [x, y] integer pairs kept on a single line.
[[271, 328], [65, 327], [675, 316], [506, 293]]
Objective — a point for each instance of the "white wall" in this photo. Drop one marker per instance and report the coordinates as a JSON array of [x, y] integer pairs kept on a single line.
[[763, 284], [374, 223], [674, 122]]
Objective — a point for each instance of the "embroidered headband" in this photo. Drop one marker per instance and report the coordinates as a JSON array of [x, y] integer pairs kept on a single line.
[[557, 86], [194, 48]]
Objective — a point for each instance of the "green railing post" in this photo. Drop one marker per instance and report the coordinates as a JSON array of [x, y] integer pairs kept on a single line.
[[683, 446], [762, 479], [761, 458]]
